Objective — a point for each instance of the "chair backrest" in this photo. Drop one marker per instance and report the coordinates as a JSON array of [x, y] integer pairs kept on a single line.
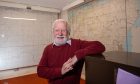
[[98, 71]]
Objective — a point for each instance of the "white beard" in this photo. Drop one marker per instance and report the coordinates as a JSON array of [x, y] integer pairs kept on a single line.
[[59, 42]]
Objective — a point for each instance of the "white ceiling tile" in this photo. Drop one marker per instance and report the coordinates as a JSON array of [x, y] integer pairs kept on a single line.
[[58, 4]]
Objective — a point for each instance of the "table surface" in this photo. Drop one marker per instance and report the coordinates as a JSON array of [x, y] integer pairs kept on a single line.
[[103, 68], [127, 58]]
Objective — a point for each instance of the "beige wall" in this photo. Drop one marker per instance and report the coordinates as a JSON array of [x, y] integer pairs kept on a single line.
[[64, 15], [133, 24], [113, 22], [102, 20]]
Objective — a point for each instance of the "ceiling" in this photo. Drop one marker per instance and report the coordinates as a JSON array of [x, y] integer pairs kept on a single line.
[[58, 4]]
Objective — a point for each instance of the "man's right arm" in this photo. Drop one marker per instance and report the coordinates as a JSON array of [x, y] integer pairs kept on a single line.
[[47, 72], [52, 73]]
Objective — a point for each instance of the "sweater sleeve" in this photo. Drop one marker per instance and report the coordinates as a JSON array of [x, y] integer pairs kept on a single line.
[[88, 48], [47, 72]]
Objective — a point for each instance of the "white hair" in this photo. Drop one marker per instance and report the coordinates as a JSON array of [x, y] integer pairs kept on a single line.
[[65, 22]]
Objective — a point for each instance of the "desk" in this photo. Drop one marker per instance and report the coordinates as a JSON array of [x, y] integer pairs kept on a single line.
[[102, 69]]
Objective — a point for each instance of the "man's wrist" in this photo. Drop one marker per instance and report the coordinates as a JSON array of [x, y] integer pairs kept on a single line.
[[74, 59]]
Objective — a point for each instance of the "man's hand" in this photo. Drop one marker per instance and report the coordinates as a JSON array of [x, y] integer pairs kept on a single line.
[[68, 65], [74, 59]]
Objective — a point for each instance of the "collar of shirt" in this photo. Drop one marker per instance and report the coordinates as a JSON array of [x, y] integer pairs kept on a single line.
[[68, 42]]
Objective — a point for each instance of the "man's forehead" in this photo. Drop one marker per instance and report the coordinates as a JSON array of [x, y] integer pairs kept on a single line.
[[60, 24]]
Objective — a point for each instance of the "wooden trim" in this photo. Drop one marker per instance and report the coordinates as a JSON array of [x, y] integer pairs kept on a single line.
[[19, 68]]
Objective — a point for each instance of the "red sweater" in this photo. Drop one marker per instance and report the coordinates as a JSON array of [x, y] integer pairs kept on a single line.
[[54, 57]]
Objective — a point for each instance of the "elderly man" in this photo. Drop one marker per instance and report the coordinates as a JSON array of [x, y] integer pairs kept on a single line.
[[62, 61]]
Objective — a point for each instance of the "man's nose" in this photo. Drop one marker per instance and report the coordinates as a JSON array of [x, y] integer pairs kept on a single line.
[[60, 32]]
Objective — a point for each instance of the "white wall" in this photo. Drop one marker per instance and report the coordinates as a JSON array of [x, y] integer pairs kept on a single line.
[[22, 41]]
